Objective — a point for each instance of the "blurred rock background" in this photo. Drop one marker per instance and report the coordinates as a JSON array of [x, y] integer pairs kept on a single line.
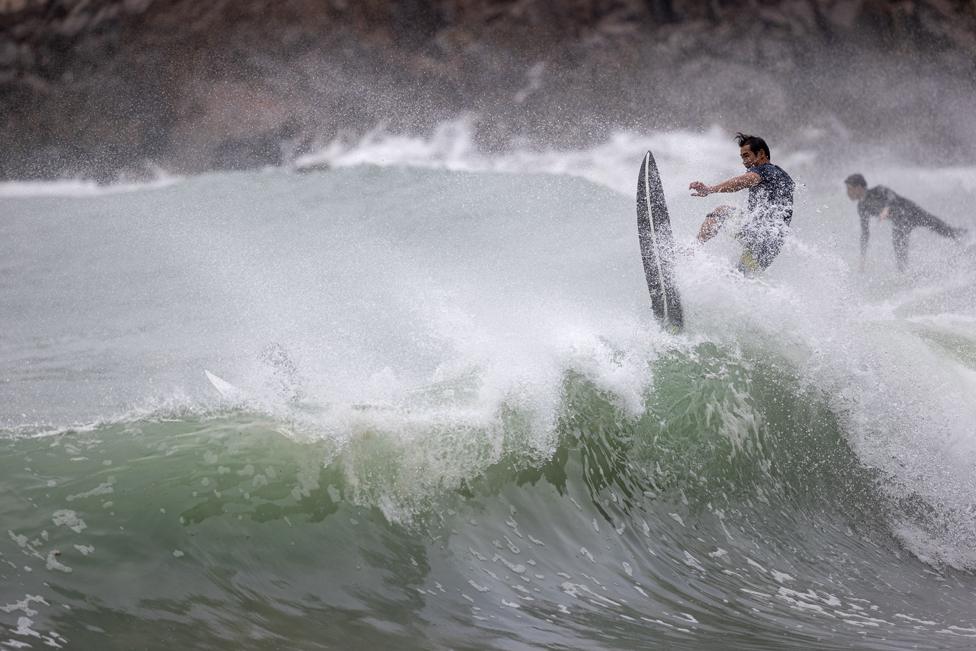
[[103, 88]]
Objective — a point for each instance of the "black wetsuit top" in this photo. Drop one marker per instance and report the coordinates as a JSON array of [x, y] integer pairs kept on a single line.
[[772, 197], [904, 215], [769, 211]]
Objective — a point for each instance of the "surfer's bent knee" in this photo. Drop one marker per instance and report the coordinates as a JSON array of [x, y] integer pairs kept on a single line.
[[713, 223], [722, 212]]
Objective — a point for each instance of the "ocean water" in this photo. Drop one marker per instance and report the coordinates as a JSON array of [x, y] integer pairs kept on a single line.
[[455, 423]]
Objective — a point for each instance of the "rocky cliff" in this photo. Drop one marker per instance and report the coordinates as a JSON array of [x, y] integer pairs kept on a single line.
[[91, 87]]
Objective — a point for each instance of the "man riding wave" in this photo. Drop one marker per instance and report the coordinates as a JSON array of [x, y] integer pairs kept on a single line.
[[766, 219]]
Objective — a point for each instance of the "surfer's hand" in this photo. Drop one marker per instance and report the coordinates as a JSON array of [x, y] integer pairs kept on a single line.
[[699, 188]]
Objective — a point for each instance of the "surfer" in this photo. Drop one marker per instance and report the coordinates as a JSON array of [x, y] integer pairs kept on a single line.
[[905, 215], [766, 219]]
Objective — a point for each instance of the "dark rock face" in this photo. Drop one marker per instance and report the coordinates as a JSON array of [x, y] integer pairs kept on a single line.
[[94, 87]]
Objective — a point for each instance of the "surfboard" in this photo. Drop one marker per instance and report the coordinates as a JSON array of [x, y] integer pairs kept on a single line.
[[657, 246], [226, 390]]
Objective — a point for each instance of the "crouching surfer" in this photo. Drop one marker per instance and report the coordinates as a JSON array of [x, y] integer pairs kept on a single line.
[[904, 215], [763, 225]]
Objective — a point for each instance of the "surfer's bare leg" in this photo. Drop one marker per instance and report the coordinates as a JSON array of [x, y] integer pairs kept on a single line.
[[713, 223]]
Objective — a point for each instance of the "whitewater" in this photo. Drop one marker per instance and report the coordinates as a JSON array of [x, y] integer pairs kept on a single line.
[[455, 422]]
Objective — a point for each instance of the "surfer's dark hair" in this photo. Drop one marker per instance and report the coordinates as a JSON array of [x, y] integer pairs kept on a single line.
[[756, 144]]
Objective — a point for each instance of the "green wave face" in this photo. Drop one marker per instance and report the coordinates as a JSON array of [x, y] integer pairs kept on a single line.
[[729, 504]]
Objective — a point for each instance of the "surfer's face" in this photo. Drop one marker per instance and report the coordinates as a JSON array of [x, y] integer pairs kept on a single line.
[[751, 158], [856, 192]]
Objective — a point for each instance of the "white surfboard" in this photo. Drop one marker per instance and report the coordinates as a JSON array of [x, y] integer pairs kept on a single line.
[[227, 390]]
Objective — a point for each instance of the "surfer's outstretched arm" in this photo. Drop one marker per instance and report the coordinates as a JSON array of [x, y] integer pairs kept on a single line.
[[713, 222], [734, 184]]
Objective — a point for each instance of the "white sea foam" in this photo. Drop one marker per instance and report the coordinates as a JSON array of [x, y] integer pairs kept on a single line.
[[80, 188]]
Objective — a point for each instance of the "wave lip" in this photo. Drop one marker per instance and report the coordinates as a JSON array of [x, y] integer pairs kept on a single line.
[[81, 188]]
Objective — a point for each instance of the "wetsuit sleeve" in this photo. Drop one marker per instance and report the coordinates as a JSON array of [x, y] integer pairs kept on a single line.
[[865, 228]]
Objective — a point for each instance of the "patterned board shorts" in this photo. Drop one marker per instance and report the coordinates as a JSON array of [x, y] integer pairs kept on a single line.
[[762, 240]]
